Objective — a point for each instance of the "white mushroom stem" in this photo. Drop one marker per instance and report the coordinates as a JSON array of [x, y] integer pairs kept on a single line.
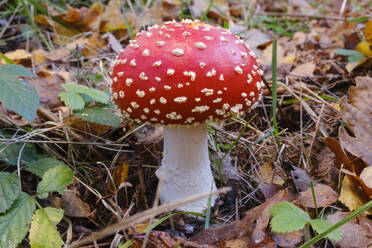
[[186, 167]]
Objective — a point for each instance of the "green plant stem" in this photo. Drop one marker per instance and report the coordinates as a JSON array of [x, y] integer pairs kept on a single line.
[[207, 10], [338, 224], [314, 199], [274, 91]]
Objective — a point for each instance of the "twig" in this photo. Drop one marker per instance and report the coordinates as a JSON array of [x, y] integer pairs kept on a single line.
[[140, 217]]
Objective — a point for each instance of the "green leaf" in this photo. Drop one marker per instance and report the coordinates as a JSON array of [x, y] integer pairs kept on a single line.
[[14, 223], [18, 95], [9, 190], [346, 52], [40, 166], [72, 99], [100, 116], [359, 19], [288, 217], [322, 225], [55, 215], [16, 70], [43, 233], [10, 153], [54, 179], [97, 95]]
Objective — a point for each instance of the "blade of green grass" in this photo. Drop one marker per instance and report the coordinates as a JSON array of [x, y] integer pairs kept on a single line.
[[274, 91], [206, 11]]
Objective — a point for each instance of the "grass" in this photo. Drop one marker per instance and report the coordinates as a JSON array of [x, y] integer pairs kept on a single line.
[[249, 150]]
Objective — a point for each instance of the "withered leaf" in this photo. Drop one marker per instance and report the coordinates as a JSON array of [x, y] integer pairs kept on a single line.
[[356, 111], [324, 195], [163, 239], [74, 206], [48, 89], [355, 233]]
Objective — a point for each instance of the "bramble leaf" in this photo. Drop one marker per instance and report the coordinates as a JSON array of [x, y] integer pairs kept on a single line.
[[97, 95], [16, 94], [322, 225], [288, 217], [9, 190], [72, 99], [55, 179], [40, 166], [100, 116], [43, 233], [14, 222]]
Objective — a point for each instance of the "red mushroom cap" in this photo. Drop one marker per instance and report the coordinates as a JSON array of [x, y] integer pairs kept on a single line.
[[185, 73]]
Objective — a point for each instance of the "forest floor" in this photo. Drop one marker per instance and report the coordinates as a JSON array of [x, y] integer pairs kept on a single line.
[[100, 168]]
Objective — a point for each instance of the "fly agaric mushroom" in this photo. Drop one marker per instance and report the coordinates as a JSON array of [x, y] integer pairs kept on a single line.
[[182, 75]]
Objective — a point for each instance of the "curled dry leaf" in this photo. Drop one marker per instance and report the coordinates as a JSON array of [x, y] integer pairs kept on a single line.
[[304, 70], [354, 192], [48, 89], [357, 113], [74, 206], [351, 196], [163, 239], [355, 233], [324, 195], [252, 227]]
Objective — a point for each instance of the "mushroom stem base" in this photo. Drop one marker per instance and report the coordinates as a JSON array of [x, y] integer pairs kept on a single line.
[[186, 167]]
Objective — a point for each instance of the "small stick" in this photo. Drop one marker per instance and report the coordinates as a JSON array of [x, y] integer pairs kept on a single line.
[[140, 217]]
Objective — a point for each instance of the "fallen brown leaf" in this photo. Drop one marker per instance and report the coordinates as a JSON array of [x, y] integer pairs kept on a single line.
[[355, 233], [356, 112], [162, 239], [74, 206], [253, 226], [288, 239], [351, 197], [58, 54], [304, 70], [324, 195], [48, 89]]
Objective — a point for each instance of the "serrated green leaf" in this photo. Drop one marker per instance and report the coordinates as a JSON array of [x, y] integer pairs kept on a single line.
[[16, 70], [40, 166], [43, 233], [54, 179], [100, 116], [10, 153], [97, 95], [55, 215], [322, 225], [18, 95], [14, 222], [72, 99], [9, 190], [287, 217]]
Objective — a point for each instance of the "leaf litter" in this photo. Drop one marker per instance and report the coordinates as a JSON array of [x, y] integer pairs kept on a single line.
[[315, 92]]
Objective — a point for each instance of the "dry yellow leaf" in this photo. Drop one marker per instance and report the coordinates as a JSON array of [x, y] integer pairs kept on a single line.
[[289, 59], [93, 45], [138, 228], [121, 174], [304, 70], [112, 18], [368, 31], [365, 47], [38, 56], [18, 56], [269, 176], [351, 198]]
